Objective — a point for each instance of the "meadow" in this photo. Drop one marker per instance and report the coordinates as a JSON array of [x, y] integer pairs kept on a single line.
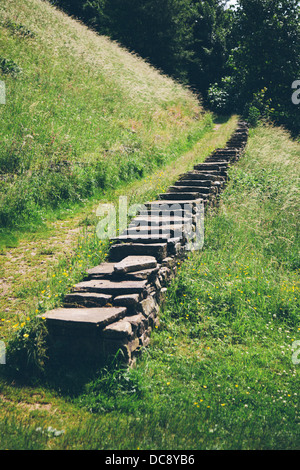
[[221, 371]]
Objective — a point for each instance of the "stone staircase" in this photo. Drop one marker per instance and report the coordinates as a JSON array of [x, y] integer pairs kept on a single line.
[[115, 308]]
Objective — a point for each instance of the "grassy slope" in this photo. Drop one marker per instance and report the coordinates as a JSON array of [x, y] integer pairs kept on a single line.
[[83, 100], [219, 371]]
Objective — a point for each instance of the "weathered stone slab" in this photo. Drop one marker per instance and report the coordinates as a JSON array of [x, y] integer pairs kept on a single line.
[[86, 300], [102, 270], [143, 238], [142, 275], [135, 263], [216, 166], [182, 189], [157, 250], [156, 221], [129, 300], [193, 182], [179, 196], [105, 286], [182, 209], [148, 306], [90, 318], [120, 329], [122, 347], [198, 175], [165, 232], [138, 323]]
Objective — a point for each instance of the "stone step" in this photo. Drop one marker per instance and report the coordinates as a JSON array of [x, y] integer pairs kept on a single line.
[[194, 182], [119, 251], [155, 221], [101, 270], [198, 176], [183, 206], [90, 300], [224, 151], [135, 263], [216, 166], [220, 174], [182, 214], [68, 319], [182, 189], [188, 185], [179, 196], [219, 159], [164, 233], [111, 287], [145, 274], [142, 239]]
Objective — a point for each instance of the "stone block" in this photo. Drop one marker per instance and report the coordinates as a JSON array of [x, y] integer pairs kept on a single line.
[[135, 263], [157, 250], [128, 300], [120, 329], [148, 306], [86, 300], [105, 286], [102, 270], [83, 319], [138, 323]]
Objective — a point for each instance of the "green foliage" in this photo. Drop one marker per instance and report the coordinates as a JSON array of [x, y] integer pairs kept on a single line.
[[27, 349], [114, 390], [9, 67], [260, 108], [18, 28], [219, 97], [265, 55]]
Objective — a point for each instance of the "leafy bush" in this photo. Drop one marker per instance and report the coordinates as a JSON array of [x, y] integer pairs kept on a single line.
[[259, 108], [26, 350], [252, 116], [18, 28], [9, 67], [218, 99]]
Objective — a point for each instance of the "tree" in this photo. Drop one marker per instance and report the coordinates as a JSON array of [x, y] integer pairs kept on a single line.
[[159, 31], [265, 56], [209, 45]]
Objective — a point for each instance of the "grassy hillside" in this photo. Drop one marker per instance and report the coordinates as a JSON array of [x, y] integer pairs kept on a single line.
[[82, 115], [220, 372]]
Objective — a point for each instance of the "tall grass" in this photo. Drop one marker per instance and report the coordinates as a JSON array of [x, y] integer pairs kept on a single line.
[[82, 115]]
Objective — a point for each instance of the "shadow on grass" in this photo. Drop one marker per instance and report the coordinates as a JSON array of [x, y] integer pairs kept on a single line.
[[218, 119], [67, 376]]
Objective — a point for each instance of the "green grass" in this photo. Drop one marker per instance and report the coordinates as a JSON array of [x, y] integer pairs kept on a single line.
[[219, 372], [82, 115]]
